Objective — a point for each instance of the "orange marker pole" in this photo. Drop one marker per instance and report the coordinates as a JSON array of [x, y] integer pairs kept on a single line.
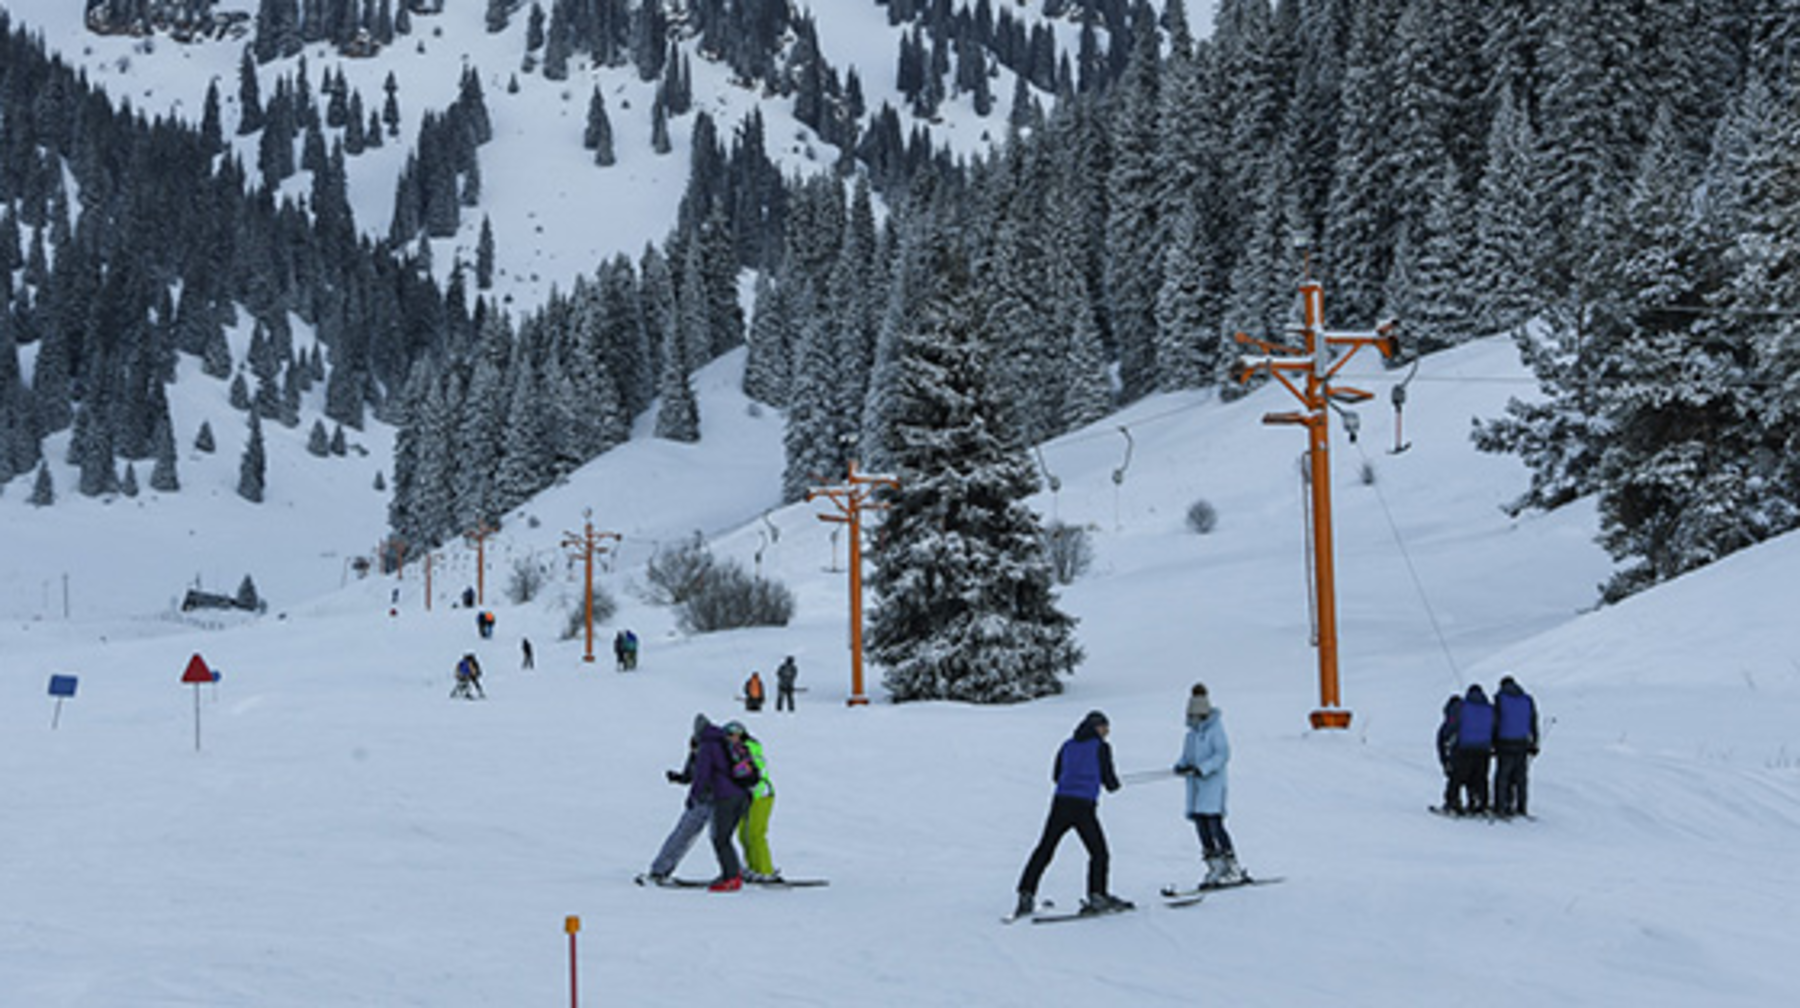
[[572, 925]]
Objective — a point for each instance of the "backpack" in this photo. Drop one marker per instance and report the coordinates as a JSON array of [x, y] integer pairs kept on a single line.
[[743, 765]]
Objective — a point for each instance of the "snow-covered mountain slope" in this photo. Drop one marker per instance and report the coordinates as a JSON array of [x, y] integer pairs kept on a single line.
[[349, 836], [555, 214]]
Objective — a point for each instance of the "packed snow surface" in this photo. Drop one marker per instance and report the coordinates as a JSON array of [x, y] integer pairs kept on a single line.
[[347, 835]]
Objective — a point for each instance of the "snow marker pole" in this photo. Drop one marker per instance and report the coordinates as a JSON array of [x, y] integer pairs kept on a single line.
[[572, 924]]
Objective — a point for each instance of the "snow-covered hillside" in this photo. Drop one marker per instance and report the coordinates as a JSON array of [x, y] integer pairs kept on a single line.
[[347, 835], [555, 214]]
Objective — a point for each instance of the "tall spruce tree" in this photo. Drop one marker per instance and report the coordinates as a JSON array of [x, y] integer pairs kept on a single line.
[[966, 605]]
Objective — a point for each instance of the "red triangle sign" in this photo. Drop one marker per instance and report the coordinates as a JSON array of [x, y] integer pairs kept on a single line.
[[197, 672]]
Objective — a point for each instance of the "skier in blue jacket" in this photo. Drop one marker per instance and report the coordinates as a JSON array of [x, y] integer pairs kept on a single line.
[[1083, 766], [1515, 742], [1204, 755], [1474, 749]]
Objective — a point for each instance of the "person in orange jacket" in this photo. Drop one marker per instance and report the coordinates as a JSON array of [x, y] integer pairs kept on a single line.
[[753, 692]]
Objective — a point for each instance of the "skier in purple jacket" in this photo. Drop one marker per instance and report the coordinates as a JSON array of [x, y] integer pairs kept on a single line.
[[713, 783], [1083, 766]]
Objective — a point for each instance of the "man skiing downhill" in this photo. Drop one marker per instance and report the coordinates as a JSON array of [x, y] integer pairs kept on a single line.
[[1083, 766]]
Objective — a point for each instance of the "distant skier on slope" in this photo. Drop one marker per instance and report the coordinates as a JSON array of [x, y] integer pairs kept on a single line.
[[1084, 764]]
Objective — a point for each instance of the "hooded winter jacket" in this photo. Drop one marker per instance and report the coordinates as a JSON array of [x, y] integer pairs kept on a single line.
[[1084, 764], [712, 768], [1475, 723], [1204, 755], [1515, 716]]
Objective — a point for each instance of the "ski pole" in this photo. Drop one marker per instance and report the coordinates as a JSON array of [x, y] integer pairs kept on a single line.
[[1144, 776]]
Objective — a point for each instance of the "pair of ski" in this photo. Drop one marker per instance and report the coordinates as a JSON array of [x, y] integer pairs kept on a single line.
[[1492, 817], [774, 883], [1173, 897]]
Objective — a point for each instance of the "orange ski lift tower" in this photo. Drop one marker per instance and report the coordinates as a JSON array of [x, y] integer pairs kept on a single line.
[[479, 536], [852, 499], [586, 544], [1306, 371]]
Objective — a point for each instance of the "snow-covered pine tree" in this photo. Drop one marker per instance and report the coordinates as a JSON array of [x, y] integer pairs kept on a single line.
[[1506, 255], [317, 441], [766, 362], [43, 488], [967, 609], [253, 465], [599, 134], [1428, 288], [1187, 312], [1682, 463], [678, 415], [1133, 258]]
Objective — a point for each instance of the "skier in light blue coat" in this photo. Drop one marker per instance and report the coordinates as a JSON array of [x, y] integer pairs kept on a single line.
[[1204, 755]]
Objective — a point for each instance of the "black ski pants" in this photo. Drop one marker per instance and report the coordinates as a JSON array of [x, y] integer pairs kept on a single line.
[[726, 813], [1511, 761], [1067, 814], [1471, 766]]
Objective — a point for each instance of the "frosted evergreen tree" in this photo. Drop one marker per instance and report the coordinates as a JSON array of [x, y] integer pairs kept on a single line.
[[771, 333], [480, 424], [1187, 344], [163, 477], [484, 256], [966, 607], [599, 135], [525, 456], [253, 465], [678, 415], [1506, 254], [128, 483], [43, 488], [812, 437], [1359, 231], [203, 440], [91, 451], [246, 597], [317, 442], [1132, 256], [1428, 288], [1681, 465]]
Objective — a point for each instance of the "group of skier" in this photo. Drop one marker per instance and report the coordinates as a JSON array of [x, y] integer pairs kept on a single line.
[[726, 773], [755, 694], [1084, 765], [1476, 732]]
